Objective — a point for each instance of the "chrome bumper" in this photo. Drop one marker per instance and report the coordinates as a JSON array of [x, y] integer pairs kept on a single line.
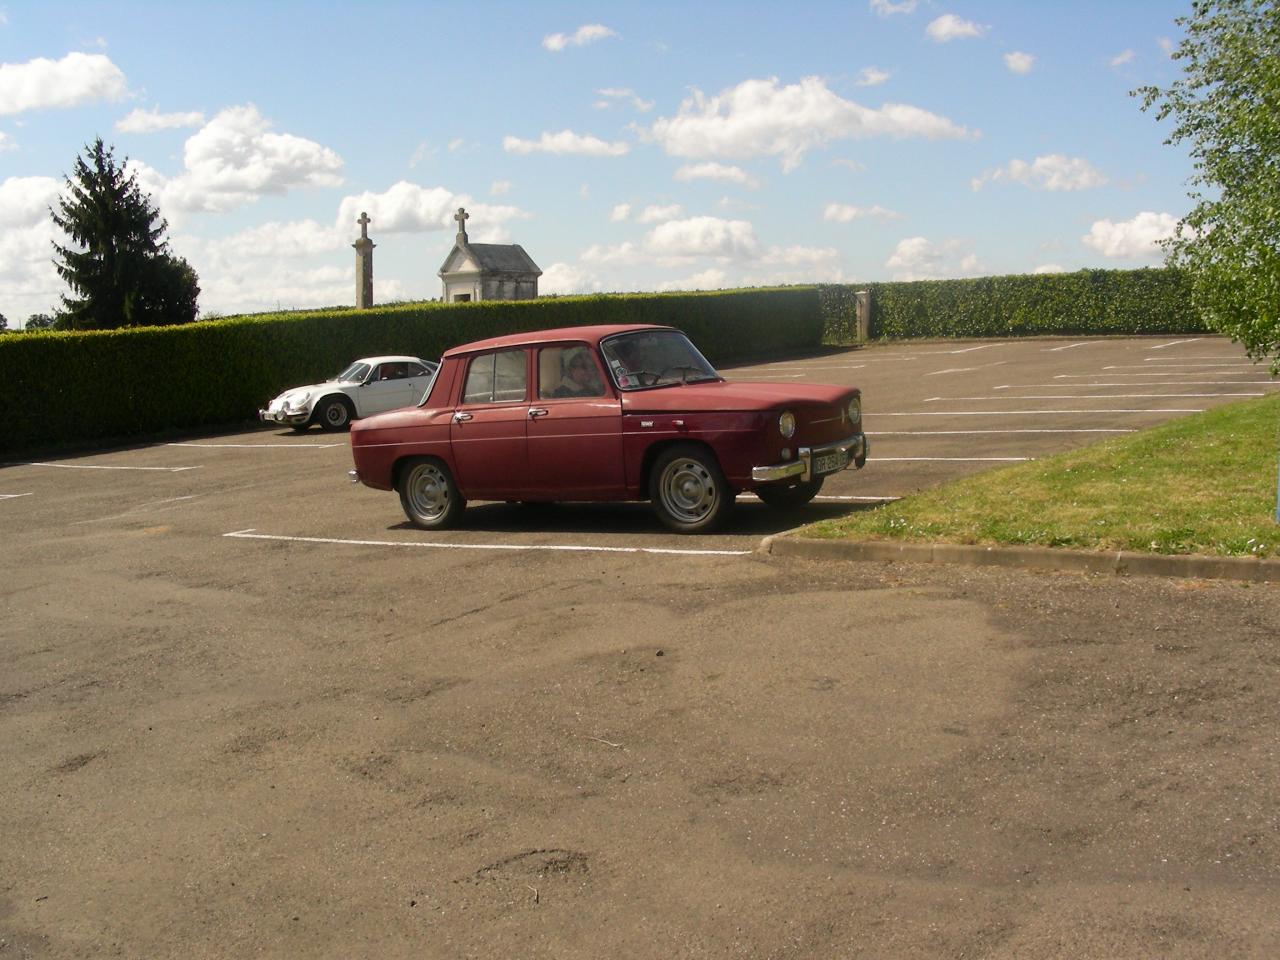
[[279, 416], [801, 468]]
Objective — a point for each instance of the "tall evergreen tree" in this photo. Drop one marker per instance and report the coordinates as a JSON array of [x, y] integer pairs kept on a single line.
[[118, 264]]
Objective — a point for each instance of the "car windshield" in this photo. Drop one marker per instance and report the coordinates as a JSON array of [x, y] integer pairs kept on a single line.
[[354, 373], [655, 358]]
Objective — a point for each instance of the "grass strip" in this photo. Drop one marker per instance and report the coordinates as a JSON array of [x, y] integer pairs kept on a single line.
[[1204, 484]]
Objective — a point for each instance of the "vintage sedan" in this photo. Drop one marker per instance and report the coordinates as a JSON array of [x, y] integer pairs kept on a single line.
[[366, 387], [605, 413]]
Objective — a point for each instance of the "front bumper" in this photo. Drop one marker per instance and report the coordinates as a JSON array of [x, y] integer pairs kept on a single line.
[[271, 415], [853, 447]]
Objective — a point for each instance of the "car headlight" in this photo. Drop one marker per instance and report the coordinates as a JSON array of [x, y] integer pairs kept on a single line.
[[787, 424], [855, 410], [297, 401]]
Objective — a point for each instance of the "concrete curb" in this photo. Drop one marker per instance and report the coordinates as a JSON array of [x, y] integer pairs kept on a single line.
[[1121, 563]]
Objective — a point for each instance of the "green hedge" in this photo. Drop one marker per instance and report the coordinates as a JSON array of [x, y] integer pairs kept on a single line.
[[59, 389], [1086, 302]]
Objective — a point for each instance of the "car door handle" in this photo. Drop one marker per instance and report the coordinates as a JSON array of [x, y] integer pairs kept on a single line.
[[461, 417], [535, 412]]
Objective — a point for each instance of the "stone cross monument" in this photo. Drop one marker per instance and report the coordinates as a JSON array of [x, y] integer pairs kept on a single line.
[[462, 217], [364, 265]]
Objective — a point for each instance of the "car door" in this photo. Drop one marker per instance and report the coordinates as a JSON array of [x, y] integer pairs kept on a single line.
[[575, 440], [419, 378], [387, 388], [487, 433]]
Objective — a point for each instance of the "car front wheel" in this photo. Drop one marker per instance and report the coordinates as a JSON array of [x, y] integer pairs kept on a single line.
[[428, 494], [688, 490], [334, 413], [783, 496]]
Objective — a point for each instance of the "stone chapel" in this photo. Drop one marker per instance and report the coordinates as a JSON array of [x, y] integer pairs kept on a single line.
[[487, 271]]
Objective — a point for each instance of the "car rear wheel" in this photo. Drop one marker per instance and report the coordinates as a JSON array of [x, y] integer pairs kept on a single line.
[[334, 413], [428, 494], [782, 496], [688, 490]]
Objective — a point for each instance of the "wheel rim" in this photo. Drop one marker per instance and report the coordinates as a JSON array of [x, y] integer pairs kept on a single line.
[[688, 490], [427, 491], [335, 414]]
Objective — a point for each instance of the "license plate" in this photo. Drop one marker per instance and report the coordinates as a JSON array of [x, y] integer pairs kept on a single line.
[[830, 463]]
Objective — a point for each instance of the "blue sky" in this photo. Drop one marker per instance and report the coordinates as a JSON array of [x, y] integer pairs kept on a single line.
[[626, 146]]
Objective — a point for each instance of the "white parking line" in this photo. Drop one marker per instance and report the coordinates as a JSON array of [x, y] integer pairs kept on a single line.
[[1101, 396], [834, 497], [12, 496], [1180, 366], [998, 363], [91, 466], [1174, 343], [1069, 346], [250, 534], [133, 510], [1015, 413], [1207, 373], [260, 446]]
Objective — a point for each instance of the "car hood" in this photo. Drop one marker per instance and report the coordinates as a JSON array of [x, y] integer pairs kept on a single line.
[[315, 388], [733, 395]]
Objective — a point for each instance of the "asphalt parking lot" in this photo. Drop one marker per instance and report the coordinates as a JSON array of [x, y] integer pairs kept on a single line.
[[245, 708]]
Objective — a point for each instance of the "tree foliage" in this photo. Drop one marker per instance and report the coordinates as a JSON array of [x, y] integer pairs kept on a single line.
[[1226, 107], [117, 263]]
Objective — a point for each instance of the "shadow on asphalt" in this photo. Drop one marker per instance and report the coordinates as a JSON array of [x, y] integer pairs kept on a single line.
[[749, 518]]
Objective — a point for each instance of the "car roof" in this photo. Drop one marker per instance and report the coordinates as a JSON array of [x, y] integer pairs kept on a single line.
[[592, 335], [388, 359]]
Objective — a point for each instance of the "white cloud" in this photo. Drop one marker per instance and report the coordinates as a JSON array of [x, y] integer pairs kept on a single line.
[[1120, 59], [27, 276], [409, 208], [43, 84], [456, 144], [704, 237], [620, 212], [588, 33], [887, 8], [564, 278], [654, 214], [799, 256], [235, 159], [871, 77], [917, 258], [716, 171], [614, 93], [853, 165], [1054, 172], [499, 188], [1049, 268], [274, 241], [1135, 239], [621, 254], [149, 121], [949, 27], [710, 279], [25, 201], [1019, 62], [566, 142], [1166, 45], [844, 213], [764, 118], [6, 142]]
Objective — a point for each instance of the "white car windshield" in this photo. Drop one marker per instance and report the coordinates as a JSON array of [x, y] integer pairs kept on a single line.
[[655, 358], [354, 373]]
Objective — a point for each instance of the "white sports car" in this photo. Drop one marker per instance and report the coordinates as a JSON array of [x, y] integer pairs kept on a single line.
[[368, 386]]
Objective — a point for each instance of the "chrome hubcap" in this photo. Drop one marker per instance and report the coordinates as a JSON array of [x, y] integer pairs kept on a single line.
[[335, 414], [428, 491], [688, 490]]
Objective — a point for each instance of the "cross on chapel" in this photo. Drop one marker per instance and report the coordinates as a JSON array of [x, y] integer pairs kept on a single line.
[[462, 217], [364, 222]]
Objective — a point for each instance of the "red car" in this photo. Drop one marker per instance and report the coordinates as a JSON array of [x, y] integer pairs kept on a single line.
[[605, 413]]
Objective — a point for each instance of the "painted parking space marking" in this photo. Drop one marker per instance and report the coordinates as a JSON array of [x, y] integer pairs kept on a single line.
[[261, 446], [998, 363], [252, 534], [1069, 346], [1145, 383], [133, 510], [834, 498], [97, 466], [1028, 413], [1101, 396], [1174, 343], [14, 496], [1183, 366]]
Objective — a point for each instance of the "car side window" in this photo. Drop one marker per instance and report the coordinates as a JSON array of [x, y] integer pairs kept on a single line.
[[391, 371], [417, 370], [568, 372], [496, 378]]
